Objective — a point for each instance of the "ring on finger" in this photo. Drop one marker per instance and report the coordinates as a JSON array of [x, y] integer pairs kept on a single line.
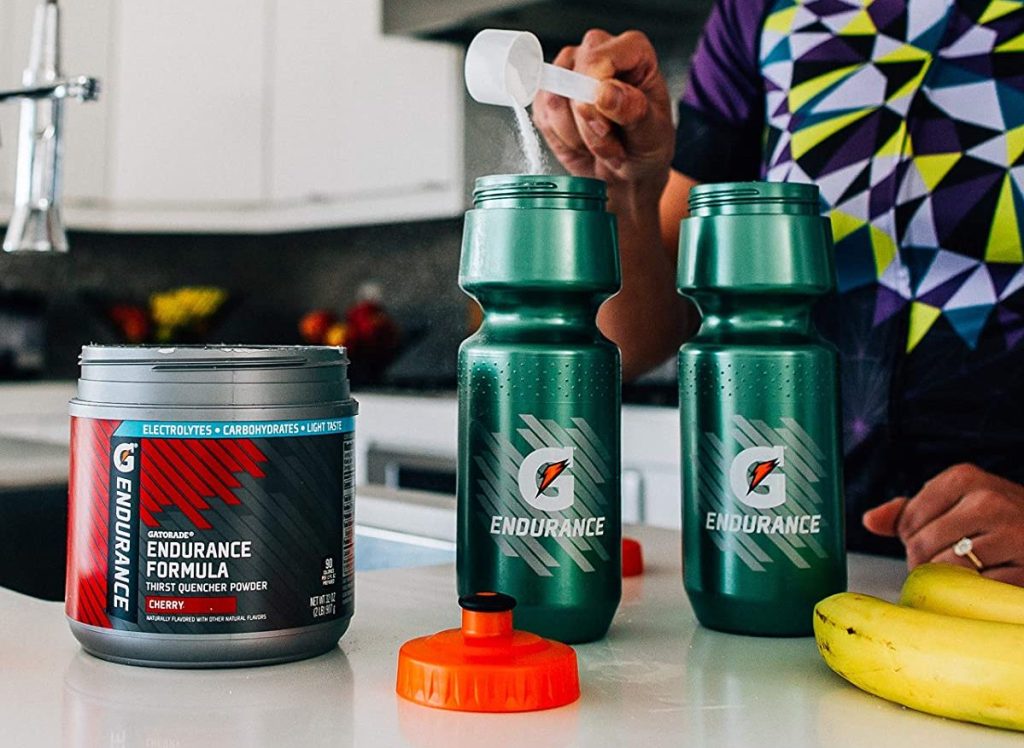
[[964, 547]]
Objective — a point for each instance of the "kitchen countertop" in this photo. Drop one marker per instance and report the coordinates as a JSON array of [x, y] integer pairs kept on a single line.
[[657, 679], [34, 433], [27, 462]]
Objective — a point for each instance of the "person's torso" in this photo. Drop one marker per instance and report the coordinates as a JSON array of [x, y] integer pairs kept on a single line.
[[909, 115]]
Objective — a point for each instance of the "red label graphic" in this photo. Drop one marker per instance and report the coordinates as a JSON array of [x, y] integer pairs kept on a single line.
[[88, 488]]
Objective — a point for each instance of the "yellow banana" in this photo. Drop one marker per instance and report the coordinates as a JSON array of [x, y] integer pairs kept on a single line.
[[953, 667], [959, 591]]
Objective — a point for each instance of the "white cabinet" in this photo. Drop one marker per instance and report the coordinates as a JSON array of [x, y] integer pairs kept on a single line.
[[390, 143], [187, 100], [247, 115]]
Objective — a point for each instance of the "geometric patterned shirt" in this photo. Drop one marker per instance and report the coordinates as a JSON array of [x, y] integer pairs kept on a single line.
[[909, 115]]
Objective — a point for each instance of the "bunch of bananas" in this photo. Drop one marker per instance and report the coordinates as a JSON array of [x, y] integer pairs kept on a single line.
[[954, 646]]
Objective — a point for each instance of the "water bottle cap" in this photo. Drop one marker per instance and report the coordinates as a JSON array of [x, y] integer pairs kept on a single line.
[[486, 666], [763, 238], [742, 198], [539, 191], [539, 233]]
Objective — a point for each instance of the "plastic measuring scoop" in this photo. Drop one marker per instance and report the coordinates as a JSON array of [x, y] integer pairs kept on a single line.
[[507, 68]]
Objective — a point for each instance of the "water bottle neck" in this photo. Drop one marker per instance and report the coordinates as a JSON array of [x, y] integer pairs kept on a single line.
[[558, 313], [729, 314]]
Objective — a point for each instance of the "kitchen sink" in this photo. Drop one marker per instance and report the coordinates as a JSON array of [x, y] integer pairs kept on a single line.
[[33, 539]]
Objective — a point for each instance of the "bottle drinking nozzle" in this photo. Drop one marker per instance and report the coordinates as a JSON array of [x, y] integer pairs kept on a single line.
[[507, 68]]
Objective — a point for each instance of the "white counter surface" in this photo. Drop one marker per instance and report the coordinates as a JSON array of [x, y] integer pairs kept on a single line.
[[34, 433], [656, 680]]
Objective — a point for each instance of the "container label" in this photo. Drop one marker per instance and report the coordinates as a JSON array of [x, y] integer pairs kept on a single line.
[[210, 527], [761, 491], [551, 498]]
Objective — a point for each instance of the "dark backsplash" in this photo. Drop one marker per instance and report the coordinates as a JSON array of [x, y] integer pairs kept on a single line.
[[274, 279]]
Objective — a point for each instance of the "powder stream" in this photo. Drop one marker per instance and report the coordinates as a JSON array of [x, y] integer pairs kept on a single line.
[[536, 163]]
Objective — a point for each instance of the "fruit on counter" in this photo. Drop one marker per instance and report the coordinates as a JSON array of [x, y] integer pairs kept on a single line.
[[959, 591], [368, 330], [179, 315], [131, 321], [954, 667], [371, 327], [314, 326], [337, 334]]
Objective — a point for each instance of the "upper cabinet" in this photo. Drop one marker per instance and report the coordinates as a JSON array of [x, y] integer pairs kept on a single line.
[[188, 97], [247, 116], [387, 143]]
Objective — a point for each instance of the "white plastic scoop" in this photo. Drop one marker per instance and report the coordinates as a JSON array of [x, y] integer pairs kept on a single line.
[[507, 68]]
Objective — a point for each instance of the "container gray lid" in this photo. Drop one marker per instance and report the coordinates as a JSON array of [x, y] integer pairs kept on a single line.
[[214, 376]]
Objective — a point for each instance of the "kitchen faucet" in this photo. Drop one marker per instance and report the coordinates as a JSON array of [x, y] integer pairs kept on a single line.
[[36, 223]]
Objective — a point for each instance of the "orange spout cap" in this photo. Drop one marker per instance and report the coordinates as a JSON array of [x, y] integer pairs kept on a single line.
[[486, 666]]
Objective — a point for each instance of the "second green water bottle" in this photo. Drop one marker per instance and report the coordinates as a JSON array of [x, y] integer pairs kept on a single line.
[[763, 535]]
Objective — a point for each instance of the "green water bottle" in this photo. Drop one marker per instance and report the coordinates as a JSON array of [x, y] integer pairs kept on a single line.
[[763, 533], [539, 476]]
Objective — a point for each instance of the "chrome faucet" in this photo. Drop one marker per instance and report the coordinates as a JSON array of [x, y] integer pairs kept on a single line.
[[36, 223]]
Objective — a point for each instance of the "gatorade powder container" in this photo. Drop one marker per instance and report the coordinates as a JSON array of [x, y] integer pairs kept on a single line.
[[763, 533], [211, 504], [539, 514]]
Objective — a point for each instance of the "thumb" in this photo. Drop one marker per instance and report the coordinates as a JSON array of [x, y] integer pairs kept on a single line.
[[620, 102], [882, 520]]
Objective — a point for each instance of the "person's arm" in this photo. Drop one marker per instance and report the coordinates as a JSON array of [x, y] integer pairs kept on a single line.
[[647, 318], [961, 502], [627, 139]]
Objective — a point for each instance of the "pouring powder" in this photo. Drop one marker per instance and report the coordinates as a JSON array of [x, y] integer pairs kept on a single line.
[[536, 163]]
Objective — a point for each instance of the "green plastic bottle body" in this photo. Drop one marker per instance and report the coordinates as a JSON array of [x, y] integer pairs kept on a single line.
[[763, 520], [523, 409], [539, 514], [751, 566]]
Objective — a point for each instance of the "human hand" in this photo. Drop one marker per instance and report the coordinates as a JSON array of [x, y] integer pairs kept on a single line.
[[961, 502], [626, 138]]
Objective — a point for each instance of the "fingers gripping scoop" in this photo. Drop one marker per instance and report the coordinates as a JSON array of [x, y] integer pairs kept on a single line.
[[507, 68], [486, 666]]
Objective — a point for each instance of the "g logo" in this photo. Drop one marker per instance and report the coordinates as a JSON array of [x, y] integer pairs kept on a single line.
[[545, 470], [753, 479], [124, 457]]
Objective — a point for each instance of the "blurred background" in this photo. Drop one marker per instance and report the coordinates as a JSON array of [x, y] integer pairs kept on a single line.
[[278, 171], [294, 154]]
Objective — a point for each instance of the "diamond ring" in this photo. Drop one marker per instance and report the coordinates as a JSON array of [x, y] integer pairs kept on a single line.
[[965, 547]]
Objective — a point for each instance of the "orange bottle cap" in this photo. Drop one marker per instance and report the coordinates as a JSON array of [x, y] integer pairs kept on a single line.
[[486, 666], [632, 558]]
